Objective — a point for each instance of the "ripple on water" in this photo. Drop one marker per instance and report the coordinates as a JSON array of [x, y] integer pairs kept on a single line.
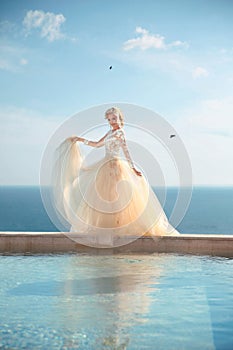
[[125, 301]]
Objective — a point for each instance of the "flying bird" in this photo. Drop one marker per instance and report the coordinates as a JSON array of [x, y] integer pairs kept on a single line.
[[172, 136], [110, 67]]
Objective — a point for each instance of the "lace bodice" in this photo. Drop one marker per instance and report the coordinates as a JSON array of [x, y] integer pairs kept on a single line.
[[114, 141]]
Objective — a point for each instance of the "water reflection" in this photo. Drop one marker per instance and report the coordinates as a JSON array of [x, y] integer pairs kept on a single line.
[[115, 302], [104, 298], [69, 287], [119, 297]]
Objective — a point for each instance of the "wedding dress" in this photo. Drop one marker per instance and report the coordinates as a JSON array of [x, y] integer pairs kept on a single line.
[[105, 202]]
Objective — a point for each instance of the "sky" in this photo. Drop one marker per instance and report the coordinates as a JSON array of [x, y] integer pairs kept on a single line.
[[174, 57]]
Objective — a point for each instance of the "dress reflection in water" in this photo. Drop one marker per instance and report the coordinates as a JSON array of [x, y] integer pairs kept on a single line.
[[110, 197]]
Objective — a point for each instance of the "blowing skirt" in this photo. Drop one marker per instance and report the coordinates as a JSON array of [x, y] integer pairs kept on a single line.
[[106, 199]]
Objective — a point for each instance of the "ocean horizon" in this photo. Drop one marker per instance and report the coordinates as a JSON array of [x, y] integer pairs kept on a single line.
[[209, 211]]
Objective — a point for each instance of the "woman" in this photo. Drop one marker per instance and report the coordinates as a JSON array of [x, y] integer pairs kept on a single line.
[[110, 199]]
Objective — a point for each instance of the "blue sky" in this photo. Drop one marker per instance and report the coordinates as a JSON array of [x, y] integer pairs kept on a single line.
[[174, 57]]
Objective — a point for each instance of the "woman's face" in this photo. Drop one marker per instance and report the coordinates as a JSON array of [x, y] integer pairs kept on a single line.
[[112, 119]]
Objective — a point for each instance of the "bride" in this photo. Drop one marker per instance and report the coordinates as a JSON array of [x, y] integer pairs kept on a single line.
[[109, 200]]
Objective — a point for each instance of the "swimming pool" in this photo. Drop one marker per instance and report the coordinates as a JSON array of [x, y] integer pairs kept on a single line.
[[81, 301]]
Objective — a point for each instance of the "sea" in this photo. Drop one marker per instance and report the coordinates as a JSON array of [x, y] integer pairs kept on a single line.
[[210, 210]]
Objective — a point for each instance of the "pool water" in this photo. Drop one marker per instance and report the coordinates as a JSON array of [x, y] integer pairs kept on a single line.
[[80, 301]]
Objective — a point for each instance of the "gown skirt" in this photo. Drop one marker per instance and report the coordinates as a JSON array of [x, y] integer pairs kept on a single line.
[[104, 203]]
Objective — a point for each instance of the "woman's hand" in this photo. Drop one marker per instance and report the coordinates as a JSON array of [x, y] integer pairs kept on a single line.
[[75, 139], [137, 172]]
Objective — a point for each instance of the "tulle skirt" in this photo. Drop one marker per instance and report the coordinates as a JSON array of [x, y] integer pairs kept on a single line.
[[106, 200]]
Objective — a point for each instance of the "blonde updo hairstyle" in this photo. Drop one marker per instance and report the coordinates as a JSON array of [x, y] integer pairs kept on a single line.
[[117, 112]]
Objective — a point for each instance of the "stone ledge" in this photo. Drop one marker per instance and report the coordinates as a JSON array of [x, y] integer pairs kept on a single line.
[[58, 242]]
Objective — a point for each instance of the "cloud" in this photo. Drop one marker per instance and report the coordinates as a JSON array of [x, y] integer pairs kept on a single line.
[[23, 61], [214, 116], [146, 41], [24, 134], [12, 58], [5, 65], [48, 24], [199, 72], [207, 132], [17, 125], [175, 65], [7, 27]]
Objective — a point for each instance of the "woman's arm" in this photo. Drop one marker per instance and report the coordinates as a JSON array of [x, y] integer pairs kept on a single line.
[[127, 155], [99, 143]]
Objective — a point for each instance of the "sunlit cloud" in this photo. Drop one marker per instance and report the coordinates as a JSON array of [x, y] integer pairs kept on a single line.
[[145, 41], [23, 61], [199, 72], [47, 23]]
